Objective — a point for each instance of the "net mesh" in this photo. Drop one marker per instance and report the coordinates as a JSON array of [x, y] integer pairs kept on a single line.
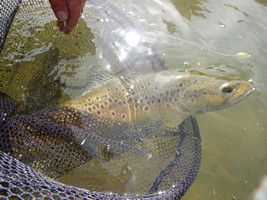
[[7, 13], [110, 159]]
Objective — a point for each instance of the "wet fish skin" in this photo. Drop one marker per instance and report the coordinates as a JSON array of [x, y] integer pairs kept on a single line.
[[168, 96]]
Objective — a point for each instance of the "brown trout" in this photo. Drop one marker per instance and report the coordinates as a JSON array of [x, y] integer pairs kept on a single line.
[[168, 96]]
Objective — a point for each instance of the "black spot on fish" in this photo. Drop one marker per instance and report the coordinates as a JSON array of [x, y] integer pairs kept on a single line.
[[98, 112], [102, 106], [177, 90], [130, 99], [167, 92], [181, 85], [146, 108], [113, 113], [123, 116], [168, 105], [159, 100], [156, 88]]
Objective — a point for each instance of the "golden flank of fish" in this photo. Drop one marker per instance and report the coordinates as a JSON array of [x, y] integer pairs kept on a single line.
[[168, 96]]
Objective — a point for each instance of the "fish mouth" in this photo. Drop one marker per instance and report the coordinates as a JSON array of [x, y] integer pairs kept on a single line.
[[241, 97]]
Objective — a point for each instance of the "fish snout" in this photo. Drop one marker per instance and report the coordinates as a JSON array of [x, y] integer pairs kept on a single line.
[[237, 90]]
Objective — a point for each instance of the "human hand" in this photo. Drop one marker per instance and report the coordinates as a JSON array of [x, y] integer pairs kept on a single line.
[[67, 12]]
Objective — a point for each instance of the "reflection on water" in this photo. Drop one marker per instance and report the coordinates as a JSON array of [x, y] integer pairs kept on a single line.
[[190, 7], [203, 35], [263, 2]]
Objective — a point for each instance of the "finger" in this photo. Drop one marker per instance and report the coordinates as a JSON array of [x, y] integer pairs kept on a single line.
[[60, 10], [61, 26], [82, 6], [75, 8]]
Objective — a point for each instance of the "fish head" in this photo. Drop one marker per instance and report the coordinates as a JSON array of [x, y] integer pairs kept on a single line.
[[214, 94]]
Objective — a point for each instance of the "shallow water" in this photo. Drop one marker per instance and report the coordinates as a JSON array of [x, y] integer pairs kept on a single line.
[[203, 35]]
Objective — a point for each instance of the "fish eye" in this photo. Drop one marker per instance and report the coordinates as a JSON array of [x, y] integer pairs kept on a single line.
[[227, 89]]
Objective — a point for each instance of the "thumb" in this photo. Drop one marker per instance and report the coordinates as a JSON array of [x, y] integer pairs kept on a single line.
[[60, 9]]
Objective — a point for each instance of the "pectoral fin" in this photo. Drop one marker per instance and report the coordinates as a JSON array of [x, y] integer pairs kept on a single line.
[[171, 117]]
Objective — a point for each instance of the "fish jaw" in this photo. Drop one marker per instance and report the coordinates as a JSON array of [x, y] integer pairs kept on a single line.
[[229, 94], [246, 90]]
